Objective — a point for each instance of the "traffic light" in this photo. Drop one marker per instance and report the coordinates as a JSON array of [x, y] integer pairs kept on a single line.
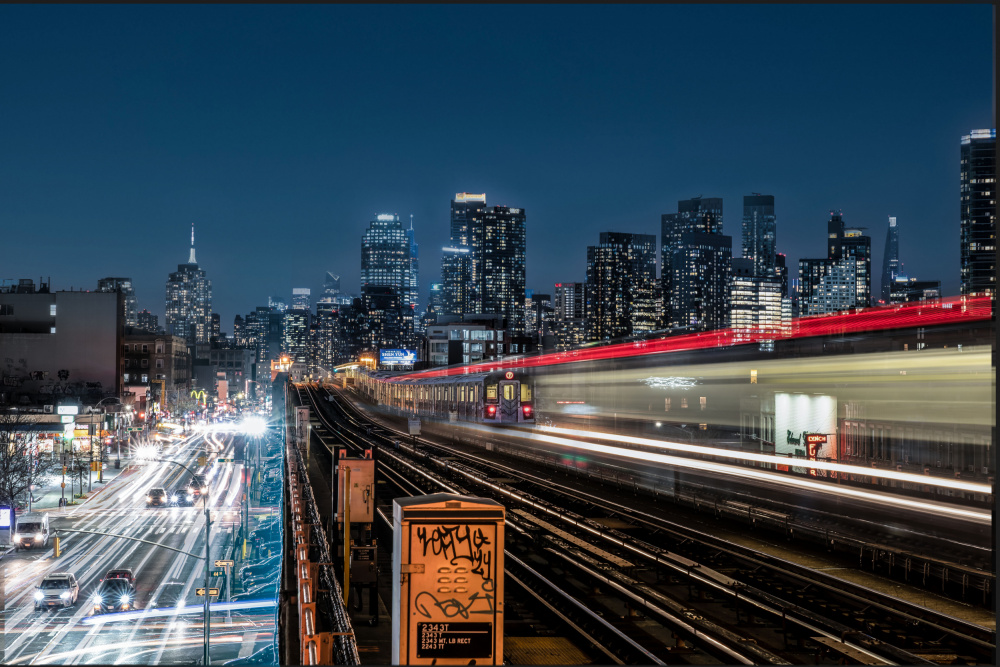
[[142, 416]]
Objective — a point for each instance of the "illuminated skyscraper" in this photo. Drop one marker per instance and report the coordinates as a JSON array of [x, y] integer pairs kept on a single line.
[[189, 301], [890, 261], [414, 275], [621, 271], [123, 285], [759, 233], [695, 266], [385, 262], [824, 284], [460, 265], [979, 210], [501, 258], [301, 298], [331, 288]]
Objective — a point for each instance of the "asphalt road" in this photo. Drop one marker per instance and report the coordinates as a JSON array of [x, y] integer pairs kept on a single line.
[[167, 625]]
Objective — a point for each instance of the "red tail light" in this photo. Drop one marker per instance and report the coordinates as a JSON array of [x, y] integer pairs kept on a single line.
[[527, 410], [491, 410]]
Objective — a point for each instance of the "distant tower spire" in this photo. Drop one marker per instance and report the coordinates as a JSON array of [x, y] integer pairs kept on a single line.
[[411, 221], [191, 259]]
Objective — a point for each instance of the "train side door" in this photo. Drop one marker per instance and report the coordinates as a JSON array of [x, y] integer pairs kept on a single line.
[[510, 392]]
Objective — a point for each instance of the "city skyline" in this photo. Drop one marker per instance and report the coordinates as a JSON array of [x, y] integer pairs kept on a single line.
[[874, 132]]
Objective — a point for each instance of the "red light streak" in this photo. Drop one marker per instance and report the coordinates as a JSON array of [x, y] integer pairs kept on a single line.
[[952, 310]]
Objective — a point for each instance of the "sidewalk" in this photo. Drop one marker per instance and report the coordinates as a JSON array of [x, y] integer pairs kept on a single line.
[[47, 498]]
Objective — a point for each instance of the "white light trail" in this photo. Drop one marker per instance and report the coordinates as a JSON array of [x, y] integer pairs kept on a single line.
[[779, 460]]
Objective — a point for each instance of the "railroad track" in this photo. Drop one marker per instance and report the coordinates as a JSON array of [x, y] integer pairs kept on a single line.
[[827, 616]]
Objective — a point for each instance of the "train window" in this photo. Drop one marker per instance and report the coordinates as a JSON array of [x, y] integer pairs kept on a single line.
[[461, 394], [491, 392], [525, 392], [508, 392]]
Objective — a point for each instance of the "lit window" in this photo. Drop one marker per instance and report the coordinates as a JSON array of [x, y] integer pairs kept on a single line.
[[52, 330], [52, 310]]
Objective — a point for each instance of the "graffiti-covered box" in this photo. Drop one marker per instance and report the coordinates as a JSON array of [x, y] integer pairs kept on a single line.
[[447, 593]]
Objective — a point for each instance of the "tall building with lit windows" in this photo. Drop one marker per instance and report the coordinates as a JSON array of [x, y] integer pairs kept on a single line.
[[755, 303], [978, 212], [500, 255], [759, 233], [824, 284], [621, 274], [456, 282], [301, 297], [461, 276], [189, 301], [695, 266], [890, 262], [123, 285], [414, 276], [385, 262]]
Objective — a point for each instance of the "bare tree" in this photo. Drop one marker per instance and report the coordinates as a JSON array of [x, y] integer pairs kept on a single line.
[[21, 464]]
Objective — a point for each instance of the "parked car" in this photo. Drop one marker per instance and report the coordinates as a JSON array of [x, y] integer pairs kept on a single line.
[[114, 595], [59, 589], [157, 498]]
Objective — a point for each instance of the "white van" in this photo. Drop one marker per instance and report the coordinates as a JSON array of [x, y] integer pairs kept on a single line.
[[32, 531]]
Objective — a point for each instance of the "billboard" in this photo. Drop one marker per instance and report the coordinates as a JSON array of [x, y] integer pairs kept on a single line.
[[397, 357], [805, 424]]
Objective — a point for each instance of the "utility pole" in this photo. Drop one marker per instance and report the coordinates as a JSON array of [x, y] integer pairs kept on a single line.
[[208, 617], [90, 475]]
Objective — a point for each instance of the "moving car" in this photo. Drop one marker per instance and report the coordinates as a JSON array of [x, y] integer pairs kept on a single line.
[[114, 595], [182, 497], [121, 573], [157, 498], [197, 487], [32, 531], [59, 589]]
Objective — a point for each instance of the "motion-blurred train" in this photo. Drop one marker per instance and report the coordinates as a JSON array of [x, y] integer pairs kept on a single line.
[[498, 397]]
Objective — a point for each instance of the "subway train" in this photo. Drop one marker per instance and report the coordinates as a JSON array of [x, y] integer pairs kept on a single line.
[[497, 397]]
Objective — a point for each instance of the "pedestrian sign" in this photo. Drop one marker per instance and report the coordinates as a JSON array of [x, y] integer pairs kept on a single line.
[[226, 460], [223, 563], [211, 591]]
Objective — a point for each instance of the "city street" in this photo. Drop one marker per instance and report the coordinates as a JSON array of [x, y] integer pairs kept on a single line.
[[167, 623]]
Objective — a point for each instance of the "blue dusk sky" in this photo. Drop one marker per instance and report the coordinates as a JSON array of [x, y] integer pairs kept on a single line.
[[280, 131]]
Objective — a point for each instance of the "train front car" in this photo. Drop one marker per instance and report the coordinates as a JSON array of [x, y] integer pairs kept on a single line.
[[508, 398]]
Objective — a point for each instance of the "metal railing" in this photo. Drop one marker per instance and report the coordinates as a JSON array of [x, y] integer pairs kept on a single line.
[[337, 646]]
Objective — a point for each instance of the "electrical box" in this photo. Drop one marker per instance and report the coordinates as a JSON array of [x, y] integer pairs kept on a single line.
[[447, 590], [362, 490]]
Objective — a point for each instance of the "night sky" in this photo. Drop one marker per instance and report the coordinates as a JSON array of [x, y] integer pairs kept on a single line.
[[280, 131]]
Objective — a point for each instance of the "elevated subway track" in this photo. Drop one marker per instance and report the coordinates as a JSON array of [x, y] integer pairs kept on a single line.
[[479, 483]]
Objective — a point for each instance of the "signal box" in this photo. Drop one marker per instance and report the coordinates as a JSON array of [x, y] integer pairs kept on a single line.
[[362, 489], [447, 592]]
